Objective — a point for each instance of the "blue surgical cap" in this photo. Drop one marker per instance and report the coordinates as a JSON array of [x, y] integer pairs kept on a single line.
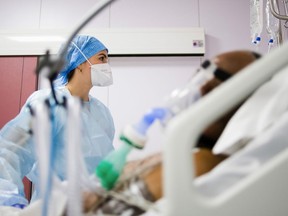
[[73, 58]]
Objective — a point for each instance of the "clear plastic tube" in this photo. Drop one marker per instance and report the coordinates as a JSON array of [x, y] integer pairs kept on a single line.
[[42, 133], [256, 20], [270, 44], [74, 169], [272, 27], [181, 99], [134, 136]]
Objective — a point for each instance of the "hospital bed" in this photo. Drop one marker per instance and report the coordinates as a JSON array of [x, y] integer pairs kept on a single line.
[[261, 193]]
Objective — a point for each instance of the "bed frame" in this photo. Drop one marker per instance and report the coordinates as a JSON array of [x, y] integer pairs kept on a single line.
[[262, 193]]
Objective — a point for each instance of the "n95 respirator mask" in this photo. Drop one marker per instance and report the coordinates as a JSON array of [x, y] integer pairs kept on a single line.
[[101, 75]]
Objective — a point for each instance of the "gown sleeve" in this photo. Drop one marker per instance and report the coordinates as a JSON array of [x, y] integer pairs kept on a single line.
[[16, 157]]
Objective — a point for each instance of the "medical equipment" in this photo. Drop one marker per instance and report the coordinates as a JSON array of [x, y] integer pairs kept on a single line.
[[110, 168], [131, 193], [22, 160], [272, 27], [256, 20], [250, 197], [75, 164], [46, 151], [286, 12], [42, 133], [74, 204], [274, 7], [274, 10]]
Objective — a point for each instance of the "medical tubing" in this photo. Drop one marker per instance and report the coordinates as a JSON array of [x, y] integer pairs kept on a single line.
[[270, 44], [52, 154], [256, 20], [272, 26], [42, 129], [181, 99], [74, 154], [135, 136]]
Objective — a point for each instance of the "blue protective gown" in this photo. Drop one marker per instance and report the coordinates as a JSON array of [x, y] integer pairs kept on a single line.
[[19, 160]]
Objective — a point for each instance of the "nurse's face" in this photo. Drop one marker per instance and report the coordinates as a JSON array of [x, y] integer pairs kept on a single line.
[[99, 58]]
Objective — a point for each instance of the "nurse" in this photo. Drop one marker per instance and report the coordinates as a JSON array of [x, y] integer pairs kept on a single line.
[[86, 66]]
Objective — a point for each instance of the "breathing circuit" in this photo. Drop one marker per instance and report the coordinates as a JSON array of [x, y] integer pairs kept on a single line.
[[135, 135]]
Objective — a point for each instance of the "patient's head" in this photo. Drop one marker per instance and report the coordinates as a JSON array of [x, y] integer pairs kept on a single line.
[[228, 64]]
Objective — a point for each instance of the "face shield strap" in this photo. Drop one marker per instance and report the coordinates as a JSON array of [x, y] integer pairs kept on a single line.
[[218, 73]]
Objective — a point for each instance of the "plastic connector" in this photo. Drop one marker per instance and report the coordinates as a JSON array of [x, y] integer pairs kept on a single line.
[[107, 174], [110, 168]]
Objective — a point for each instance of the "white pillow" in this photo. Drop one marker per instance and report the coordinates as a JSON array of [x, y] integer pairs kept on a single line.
[[258, 113]]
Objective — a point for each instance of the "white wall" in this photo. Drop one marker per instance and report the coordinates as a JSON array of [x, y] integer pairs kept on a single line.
[[141, 82]]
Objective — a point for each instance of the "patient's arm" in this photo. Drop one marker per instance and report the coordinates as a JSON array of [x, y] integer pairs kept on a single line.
[[204, 161], [150, 176]]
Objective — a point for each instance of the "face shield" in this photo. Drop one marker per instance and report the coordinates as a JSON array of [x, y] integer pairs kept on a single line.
[[182, 98]]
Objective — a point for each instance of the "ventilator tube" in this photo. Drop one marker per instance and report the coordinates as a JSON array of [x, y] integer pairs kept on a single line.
[[134, 136], [181, 99]]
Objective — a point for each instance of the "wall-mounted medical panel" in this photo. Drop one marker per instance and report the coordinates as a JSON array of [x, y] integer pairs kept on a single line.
[[121, 42]]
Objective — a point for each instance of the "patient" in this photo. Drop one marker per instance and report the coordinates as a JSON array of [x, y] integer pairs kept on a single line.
[[143, 178]]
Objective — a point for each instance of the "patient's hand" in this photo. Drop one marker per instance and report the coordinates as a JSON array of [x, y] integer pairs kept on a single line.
[[205, 161], [90, 201]]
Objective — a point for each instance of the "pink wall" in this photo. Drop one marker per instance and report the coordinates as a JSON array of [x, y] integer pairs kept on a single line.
[[17, 82], [10, 89]]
